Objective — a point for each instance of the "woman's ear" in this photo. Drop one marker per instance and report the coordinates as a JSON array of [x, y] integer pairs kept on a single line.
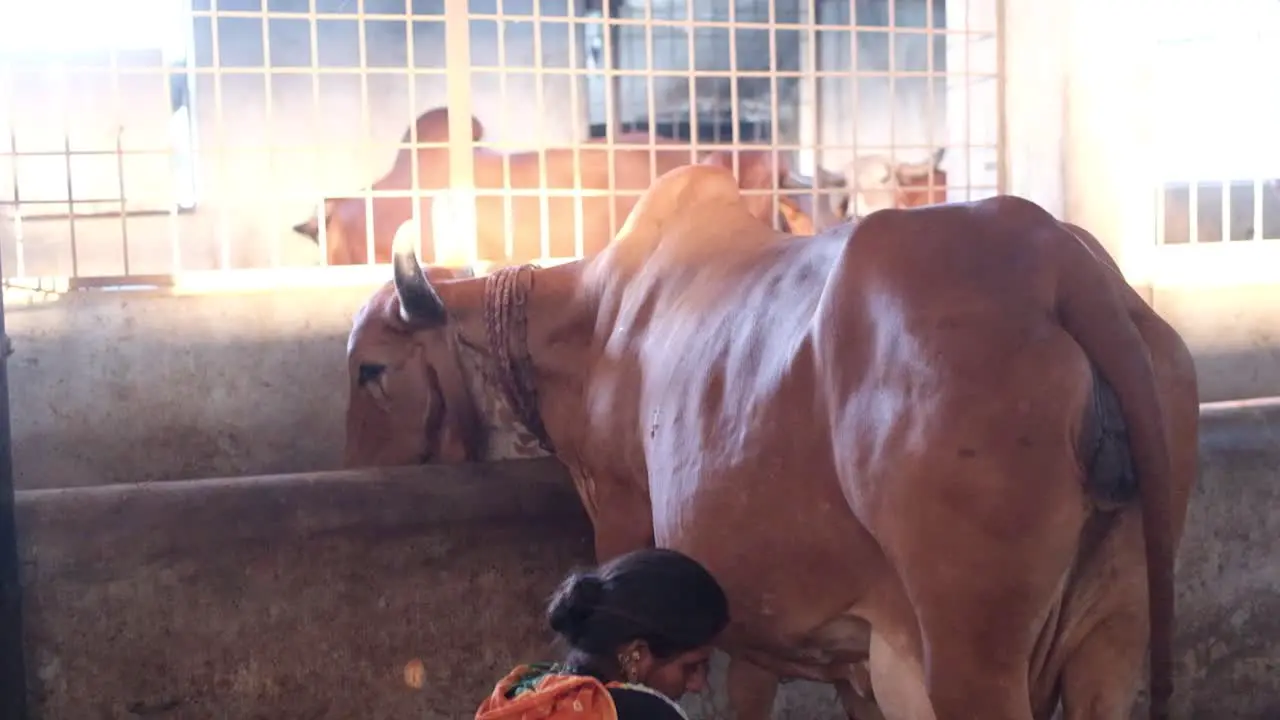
[[637, 661]]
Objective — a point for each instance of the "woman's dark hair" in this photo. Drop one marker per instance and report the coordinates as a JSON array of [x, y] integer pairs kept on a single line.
[[662, 597]]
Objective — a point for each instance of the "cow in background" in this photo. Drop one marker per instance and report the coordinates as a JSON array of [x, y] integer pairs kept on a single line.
[[867, 184], [634, 168], [878, 183]]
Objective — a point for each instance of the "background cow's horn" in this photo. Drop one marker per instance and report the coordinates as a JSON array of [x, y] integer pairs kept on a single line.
[[419, 302], [793, 180]]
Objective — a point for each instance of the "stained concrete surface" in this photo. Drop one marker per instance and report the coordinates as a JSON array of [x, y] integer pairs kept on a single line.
[[1229, 569], [137, 387], [303, 597], [298, 597]]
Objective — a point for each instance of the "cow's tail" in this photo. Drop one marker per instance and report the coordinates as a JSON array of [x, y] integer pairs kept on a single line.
[[1092, 309]]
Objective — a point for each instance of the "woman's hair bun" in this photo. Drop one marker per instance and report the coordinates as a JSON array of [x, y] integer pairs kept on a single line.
[[574, 604]]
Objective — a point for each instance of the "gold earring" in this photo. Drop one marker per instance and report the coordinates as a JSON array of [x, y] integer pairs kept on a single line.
[[629, 668]]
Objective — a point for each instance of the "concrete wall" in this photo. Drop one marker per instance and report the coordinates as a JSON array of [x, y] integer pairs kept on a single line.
[[137, 387], [304, 597], [267, 145]]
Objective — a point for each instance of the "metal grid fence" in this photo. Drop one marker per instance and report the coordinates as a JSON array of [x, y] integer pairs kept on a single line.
[[232, 134]]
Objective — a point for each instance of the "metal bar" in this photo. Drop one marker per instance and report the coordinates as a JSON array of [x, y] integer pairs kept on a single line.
[[112, 152], [366, 130], [650, 91], [893, 87], [930, 104], [735, 107], [124, 210], [1224, 198], [219, 123], [968, 103], [612, 97], [691, 37], [13, 672], [1258, 234], [1160, 215], [539, 101], [313, 31], [619, 72], [268, 90], [114, 62], [67, 165], [774, 158], [855, 102], [1002, 124], [182, 100], [636, 22], [814, 48], [577, 115], [508, 221], [457, 42], [1193, 212], [30, 217], [19, 244]]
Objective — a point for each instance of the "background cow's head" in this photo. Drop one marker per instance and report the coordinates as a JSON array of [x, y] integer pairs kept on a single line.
[[758, 171], [824, 206], [409, 400], [878, 183], [345, 218]]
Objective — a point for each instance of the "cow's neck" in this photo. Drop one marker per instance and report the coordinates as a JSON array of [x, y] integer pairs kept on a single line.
[[523, 331]]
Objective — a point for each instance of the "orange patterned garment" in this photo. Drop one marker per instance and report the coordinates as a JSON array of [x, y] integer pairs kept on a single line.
[[535, 692]]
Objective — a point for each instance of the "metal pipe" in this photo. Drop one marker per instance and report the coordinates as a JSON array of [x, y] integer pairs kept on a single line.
[[13, 672]]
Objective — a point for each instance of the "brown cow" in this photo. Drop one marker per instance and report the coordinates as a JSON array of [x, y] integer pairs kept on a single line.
[[945, 441], [345, 218]]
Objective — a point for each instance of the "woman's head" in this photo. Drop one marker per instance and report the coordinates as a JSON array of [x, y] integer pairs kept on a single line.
[[649, 617]]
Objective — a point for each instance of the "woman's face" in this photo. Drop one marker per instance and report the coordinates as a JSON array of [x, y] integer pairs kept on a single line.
[[678, 674]]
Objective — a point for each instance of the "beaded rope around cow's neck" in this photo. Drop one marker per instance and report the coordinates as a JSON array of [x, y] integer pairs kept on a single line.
[[506, 292]]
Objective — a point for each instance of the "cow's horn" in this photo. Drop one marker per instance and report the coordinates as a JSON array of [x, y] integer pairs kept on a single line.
[[793, 180], [419, 302]]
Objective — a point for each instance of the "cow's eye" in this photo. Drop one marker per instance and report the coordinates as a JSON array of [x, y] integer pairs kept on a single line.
[[370, 372]]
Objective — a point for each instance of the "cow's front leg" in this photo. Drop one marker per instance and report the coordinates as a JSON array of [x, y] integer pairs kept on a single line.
[[620, 515], [619, 538], [751, 690]]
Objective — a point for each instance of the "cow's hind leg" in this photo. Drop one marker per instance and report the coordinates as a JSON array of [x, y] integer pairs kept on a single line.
[[990, 537], [1102, 672], [1100, 680]]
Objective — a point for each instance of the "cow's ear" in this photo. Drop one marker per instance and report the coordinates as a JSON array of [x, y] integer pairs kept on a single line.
[[309, 228]]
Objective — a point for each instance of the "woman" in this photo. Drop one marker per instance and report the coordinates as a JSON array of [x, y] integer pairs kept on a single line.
[[639, 631]]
